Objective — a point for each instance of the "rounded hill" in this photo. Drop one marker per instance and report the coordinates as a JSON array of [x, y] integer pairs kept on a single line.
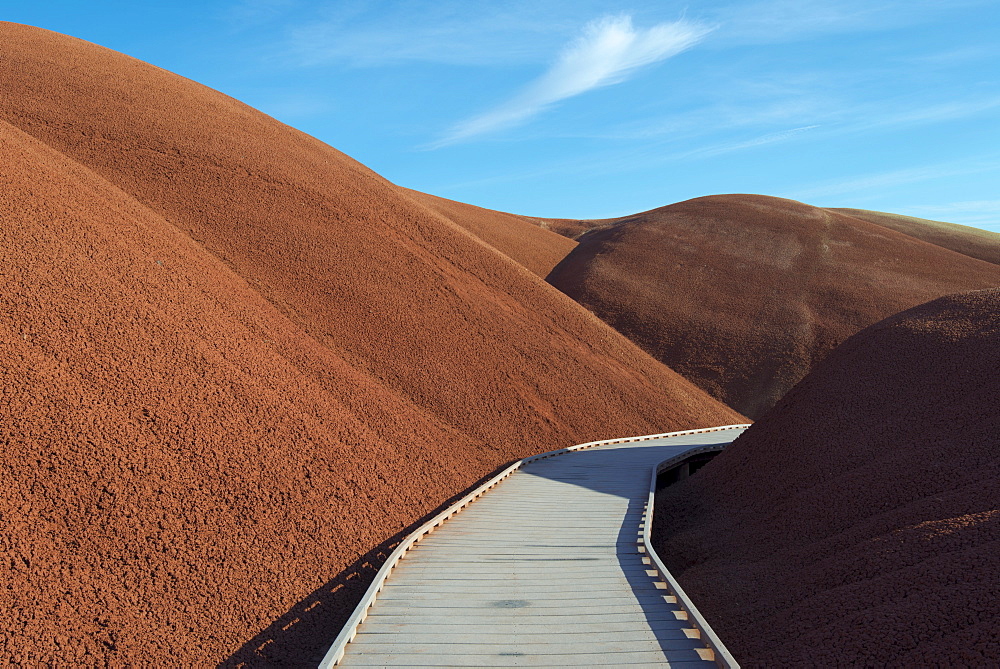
[[744, 294]]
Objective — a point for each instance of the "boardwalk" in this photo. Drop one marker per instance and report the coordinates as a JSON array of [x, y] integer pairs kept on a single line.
[[544, 570]]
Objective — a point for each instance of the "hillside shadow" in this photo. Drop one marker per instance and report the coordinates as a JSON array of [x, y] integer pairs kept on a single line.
[[302, 635]]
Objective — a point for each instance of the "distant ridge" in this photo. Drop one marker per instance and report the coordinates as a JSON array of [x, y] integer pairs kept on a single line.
[[744, 294], [973, 242]]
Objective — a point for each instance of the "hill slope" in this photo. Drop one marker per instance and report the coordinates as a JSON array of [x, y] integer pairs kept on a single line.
[[166, 432], [743, 294], [235, 360], [519, 237], [857, 522], [973, 242]]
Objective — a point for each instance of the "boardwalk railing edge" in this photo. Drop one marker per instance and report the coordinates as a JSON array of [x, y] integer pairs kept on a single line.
[[336, 652], [720, 654]]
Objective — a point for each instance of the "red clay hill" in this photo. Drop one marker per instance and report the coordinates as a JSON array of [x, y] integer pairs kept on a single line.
[[972, 242], [519, 237], [744, 294], [234, 363], [857, 522]]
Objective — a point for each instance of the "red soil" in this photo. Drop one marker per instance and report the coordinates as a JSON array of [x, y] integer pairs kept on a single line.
[[235, 363], [744, 294], [972, 242], [519, 237], [858, 522], [570, 228]]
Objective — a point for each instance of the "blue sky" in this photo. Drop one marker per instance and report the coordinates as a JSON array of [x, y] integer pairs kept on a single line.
[[592, 109]]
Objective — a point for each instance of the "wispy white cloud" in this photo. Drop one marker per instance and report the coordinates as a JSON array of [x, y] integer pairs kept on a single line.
[[885, 180], [875, 116], [763, 140], [983, 214], [501, 32], [368, 33], [955, 57], [806, 110], [779, 20], [608, 52], [771, 21], [249, 13], [654, 150], [638, 159], [810, 108]]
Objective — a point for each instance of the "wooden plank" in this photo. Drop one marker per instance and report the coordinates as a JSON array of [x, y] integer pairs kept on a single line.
[[526, 565], [545, 570], [594, 588], [566, 547], [552, 540], [681, 648], [523, 638], [540, 558], [525, 574], [537, 607], [523, 616], [649, 658], [536, 572], [651, 597], [662, 628], [585, 580]]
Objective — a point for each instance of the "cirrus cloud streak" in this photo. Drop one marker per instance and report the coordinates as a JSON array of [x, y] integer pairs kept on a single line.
[[609, 51]]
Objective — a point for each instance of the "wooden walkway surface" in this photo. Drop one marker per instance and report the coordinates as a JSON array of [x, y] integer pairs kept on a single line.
[[543, 570]]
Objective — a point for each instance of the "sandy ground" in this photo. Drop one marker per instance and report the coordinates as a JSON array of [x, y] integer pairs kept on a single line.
[[857, 523]]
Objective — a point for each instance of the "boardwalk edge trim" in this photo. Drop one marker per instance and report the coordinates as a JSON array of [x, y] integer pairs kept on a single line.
[[347, 633], [717, 651]]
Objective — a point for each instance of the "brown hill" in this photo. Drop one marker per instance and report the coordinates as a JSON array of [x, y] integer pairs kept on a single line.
[[235, 363], [858, 522], [571, 228], [973, 242], [519, 237], [743, 294]]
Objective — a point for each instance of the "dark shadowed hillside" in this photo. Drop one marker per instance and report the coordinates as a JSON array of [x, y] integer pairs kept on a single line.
[[234, 361], [744, 294], [858, 522]]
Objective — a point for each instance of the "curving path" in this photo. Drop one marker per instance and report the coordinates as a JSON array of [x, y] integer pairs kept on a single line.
[[548, 569]]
